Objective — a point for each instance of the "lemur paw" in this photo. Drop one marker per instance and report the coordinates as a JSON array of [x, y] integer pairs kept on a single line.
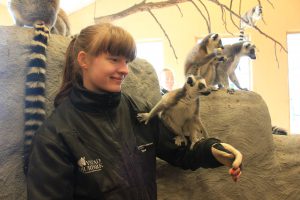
[[143, 117], [221, 59], [218, 51], [230, 91], [213, 88], [245, 89], [192, 145], [221, 86], [179, 140]]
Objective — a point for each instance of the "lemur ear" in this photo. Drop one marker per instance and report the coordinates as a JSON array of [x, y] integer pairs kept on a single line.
[[246, 45], [215, 36], [190, 81]]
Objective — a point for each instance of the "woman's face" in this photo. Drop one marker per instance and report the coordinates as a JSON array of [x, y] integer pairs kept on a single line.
[[104, 72]]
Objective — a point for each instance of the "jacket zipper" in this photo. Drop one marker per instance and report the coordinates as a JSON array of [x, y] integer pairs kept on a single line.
[[136, 177]]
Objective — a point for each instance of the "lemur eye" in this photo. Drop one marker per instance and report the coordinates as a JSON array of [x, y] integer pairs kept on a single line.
[[190, 81]]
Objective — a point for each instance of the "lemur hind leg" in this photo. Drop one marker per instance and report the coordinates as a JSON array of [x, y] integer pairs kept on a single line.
[[180, 139], [195, 130]]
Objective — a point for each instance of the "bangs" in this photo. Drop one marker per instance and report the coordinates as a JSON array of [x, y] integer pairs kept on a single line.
[[115, 41]]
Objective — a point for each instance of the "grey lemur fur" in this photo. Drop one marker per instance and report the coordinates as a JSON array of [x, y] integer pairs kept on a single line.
[[31, 12], [227, 69], [249, 19], [179, 111], [203, 57], [62, 24], [40, 14]]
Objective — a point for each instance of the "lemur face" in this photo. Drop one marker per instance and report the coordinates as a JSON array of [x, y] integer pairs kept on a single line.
[[214, 42], [248, 49], [197, 85], [257, 12]]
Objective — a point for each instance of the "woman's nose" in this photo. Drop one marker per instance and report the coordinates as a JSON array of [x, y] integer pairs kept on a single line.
[[123, 67]]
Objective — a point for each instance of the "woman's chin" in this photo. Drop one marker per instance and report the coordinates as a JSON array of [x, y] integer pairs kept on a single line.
[[115, 89]]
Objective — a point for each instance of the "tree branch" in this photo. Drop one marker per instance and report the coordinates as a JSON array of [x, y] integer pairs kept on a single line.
[[151, 13], [224, 20], [240, 7], [179, 10], [270, 3], [208, 15], [275, 47], [259, 2], [143, 6], [271, 38], [238, 27], [206, 20], [255, 27]]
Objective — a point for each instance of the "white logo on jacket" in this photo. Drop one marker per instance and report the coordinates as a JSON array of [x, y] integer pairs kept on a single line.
[[89, 166]]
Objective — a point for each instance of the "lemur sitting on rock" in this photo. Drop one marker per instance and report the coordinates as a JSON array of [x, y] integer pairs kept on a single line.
[[179, 110]]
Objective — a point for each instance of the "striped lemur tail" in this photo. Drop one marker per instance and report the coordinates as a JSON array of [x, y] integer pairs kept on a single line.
[[242, 35], [34, 112], [279, 131]]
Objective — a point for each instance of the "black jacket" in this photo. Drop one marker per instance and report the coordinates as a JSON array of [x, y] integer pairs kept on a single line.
[[93, 147]]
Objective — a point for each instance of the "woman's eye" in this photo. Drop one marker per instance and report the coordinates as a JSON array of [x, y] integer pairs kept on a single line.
[[114, 59]]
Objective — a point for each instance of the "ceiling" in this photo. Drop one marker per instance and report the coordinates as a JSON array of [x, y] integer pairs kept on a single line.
[[67, 5]]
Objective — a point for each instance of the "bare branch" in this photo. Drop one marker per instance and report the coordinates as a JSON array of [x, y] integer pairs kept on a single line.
[[151, 13], [240, 7], [208, 15], [206, 20], [255, 27], [276, 57], [224, 20], [270, 3], [238, 27], [140, 7], [179, 10], [259, 2], [271, 38]]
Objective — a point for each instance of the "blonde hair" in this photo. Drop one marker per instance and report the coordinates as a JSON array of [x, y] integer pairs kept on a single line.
[[94, 40]]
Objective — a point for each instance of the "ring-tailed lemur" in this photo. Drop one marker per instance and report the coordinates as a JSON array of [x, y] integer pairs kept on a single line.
[[251, 17], [209, 72], [226, 69], [40, 14], [62, 24], [179, 110], [202, 59], [202, 54], [279, 131]]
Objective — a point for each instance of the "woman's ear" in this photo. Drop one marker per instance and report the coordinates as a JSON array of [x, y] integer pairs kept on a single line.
[[82, 59]]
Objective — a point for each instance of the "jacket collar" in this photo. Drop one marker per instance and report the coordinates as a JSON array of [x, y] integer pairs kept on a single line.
[[93, 102]]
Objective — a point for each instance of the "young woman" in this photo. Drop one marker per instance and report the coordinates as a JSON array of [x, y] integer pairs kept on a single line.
[[92, 146]]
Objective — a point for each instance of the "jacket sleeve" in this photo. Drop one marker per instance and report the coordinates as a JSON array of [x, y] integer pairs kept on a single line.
[[182, 156], [50, 172]]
